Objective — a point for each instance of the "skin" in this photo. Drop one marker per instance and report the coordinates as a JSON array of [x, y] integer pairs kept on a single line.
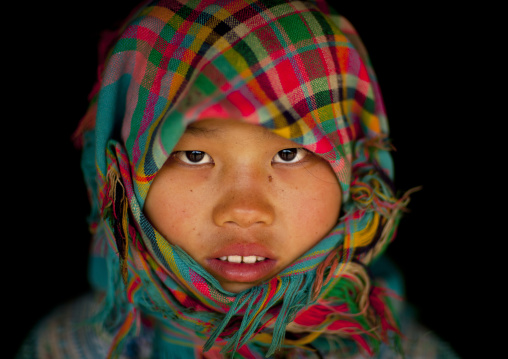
[[242, 192]]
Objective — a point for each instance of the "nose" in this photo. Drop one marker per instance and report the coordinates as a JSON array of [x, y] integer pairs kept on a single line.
[[244, 201]]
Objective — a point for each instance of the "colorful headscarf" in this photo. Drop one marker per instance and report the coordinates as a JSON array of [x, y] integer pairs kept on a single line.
[[294, 67]]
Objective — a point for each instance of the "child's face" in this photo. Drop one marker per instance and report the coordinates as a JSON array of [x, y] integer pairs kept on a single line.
[[243, 194]]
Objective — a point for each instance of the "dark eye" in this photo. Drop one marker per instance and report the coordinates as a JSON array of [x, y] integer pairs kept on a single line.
[[193, 157], [290, 155]]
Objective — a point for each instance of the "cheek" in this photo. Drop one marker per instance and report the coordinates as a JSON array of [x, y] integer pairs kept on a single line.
[[174, 210], [317, 213], [314, 204]]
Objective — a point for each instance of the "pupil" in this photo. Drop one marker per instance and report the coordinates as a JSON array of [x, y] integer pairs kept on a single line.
[[288, 154], [195, 156]]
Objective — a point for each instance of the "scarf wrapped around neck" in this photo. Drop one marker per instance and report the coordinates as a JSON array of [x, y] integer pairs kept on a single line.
[[298, 69]]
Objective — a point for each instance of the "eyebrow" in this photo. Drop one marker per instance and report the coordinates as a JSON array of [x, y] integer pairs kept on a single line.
[[214, 132], [201, 132]]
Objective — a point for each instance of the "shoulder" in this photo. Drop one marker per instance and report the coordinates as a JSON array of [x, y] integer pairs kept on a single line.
[[420, 342], [67, 332]]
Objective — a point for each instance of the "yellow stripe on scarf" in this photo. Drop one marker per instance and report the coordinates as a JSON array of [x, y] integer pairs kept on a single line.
[[366, 235]]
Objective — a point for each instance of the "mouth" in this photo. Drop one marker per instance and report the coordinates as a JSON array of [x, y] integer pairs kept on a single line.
[[242, 264], [242, 259]]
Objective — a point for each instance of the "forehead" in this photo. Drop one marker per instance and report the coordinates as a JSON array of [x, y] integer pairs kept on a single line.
[[223, 130]]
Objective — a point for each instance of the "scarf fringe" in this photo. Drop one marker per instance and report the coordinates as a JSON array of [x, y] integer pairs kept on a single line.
[[352, 309], [116, 210], [283, 292]]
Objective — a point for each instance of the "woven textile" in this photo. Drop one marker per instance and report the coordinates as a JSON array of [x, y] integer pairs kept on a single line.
[[294, 67]]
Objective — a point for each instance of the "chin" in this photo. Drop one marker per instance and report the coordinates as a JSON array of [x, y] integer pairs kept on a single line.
[[237, 287]]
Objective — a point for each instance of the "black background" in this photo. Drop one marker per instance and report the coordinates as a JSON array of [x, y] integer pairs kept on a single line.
[[432, 69]]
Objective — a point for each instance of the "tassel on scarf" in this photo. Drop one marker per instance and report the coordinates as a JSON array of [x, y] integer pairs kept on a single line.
[[116, 209], [286, 290], [353, 309]]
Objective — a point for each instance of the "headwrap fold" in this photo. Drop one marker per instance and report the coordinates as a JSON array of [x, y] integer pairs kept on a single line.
[[294, 67]]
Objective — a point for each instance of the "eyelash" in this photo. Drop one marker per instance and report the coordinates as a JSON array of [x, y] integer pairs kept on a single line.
[[184, 156]]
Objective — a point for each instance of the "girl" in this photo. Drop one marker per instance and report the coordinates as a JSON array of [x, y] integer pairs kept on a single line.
[[236, 154]]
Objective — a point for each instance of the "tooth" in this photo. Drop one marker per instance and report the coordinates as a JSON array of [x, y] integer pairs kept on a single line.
[[223, 258], [249, 259], [259, 259], [235, 259]]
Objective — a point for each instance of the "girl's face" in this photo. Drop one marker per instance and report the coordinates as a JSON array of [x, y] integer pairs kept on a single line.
[[243, 202]]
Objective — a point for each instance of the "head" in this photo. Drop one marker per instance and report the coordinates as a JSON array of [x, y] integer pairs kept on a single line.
[[237, 133], [296, 82]]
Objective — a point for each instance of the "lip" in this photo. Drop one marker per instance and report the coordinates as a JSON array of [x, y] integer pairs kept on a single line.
[[242, 272], [243, 249]]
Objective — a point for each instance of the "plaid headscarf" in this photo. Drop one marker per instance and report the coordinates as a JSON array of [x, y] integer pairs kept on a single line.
[[294, 67]]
